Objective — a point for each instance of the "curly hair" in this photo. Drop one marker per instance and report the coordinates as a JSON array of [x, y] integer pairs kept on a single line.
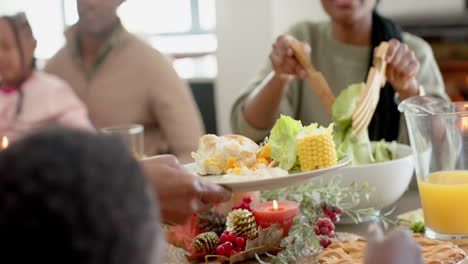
[[69, 196]]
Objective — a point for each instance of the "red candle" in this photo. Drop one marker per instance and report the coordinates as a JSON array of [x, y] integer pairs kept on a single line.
[[282, 212]]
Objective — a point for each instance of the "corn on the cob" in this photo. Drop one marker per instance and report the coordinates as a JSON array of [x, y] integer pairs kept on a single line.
[[316, 151]]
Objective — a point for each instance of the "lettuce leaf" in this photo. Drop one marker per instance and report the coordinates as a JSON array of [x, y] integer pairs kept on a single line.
[[358, 149], [283, 141], [345, 104], [382, 153]]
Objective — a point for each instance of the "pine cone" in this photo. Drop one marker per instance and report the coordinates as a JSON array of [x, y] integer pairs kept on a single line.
[[241, 222], [206, 243], [212, 221]]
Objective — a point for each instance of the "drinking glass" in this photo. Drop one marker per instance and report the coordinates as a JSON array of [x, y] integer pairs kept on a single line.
[[132, 135]]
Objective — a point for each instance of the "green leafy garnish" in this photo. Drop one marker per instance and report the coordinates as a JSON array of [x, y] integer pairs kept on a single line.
[[417, 227]]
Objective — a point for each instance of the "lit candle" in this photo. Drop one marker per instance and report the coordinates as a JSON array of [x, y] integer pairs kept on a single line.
[[282, 212], [5, 143]]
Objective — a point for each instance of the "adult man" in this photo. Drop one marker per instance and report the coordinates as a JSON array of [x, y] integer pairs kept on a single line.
[[123, 80]]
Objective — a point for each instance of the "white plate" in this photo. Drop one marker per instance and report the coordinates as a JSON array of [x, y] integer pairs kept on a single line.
[[269, 183]]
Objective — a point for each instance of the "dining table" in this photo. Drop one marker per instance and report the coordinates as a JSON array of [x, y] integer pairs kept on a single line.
[[409, 201]]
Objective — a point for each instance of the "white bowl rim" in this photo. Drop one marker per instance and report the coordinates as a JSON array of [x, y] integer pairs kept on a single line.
[[399, 146]]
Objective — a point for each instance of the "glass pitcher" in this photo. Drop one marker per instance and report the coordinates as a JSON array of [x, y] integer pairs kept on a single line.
[[438, 132]]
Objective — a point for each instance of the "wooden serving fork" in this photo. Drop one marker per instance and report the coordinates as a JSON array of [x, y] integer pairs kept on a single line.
[[317, 82], [370, 95]]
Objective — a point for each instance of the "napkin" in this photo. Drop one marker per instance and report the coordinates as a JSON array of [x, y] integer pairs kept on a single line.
[[398, 247]]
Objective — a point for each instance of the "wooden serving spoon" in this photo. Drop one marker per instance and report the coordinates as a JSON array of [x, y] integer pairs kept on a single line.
[[317, 82]]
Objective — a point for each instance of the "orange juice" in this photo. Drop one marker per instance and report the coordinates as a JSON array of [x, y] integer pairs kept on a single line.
[[444, 198]]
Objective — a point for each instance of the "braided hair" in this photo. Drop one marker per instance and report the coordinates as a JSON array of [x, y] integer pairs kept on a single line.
[[19, 23]]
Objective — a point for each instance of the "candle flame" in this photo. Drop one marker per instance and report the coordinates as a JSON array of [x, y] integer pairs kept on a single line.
[[275, 205], [464, 123], [5, 142]]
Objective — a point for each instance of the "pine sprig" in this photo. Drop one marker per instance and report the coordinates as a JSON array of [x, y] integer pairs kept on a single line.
[[309, 196]]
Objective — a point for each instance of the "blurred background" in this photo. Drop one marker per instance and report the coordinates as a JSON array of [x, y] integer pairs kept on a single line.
[[218, 45]]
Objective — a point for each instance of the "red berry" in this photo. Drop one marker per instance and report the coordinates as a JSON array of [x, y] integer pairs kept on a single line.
[[324, 230], [224, 237], [247, 199], [240, 242], [317, 230], [245, 206], [331, 227], [325, 242], [320, 222], [334, 219], [220, 250], [232, 238], [324, 222], [339, 211], [331, 234], [238, 249], [330, 214], [232, 252], [228, 246]]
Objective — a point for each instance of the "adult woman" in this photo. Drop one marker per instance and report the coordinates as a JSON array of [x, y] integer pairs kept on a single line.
[[30, 98], [342, 50]]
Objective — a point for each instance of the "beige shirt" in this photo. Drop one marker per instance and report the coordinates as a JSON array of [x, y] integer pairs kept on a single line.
[[134, 83], [342, 64]]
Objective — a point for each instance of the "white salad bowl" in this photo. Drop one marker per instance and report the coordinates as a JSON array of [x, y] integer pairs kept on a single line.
[[390, 179]]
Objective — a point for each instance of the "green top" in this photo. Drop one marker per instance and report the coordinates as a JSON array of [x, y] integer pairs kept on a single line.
[[102, 54], [342, 64]]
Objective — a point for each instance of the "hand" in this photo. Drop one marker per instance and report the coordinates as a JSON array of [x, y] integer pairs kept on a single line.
[[398, 247], [181, 193], [283, 60], [402, 68]]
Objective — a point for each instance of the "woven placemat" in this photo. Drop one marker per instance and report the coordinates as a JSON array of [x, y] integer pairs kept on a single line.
[[175, 255]]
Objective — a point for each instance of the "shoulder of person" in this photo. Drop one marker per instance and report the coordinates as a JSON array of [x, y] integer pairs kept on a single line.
[[145, 50], [420, 47], [57, 61], [307, 30]]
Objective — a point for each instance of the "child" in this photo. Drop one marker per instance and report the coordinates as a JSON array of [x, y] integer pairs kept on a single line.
[[30, 98], [68, 196]]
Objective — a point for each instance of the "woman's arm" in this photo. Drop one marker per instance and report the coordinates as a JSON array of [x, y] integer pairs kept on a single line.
[[255, 111], [262, 106]]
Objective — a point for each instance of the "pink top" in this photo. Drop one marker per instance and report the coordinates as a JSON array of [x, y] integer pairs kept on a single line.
[[46, 100]]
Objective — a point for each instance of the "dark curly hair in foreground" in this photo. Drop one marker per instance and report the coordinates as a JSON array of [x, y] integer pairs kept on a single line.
[[73, 197]]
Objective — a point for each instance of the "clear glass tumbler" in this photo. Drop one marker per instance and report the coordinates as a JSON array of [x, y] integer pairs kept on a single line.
[[132, 135]]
